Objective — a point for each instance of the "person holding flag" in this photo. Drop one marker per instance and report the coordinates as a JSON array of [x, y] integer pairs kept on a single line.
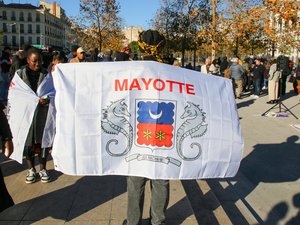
[[150, 43]]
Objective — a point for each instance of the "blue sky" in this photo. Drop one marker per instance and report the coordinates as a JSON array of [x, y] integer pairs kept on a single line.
[[133, 12]]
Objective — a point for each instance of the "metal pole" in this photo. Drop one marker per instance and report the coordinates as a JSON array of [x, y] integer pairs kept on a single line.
[[19, 36]]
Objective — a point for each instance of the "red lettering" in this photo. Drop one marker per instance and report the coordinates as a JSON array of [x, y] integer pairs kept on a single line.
[[190, 89], [171, 84], [123, 87], [11, 85], [146, 83], [157, 87], [156, 84], [135, 84]]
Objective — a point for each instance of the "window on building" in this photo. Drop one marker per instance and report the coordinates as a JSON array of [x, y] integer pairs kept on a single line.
[[38, 40], [29, 39], [4, 27], [5, 40], [4, 15], [38, 30], [29, 16], [14, 40], [29, 28], [38, 18], [21, 16], [22, 28], [22, 40], [14, 28], [13, 15]]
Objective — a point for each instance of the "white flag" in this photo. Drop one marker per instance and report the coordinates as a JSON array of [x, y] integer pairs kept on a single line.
[[145, 119], [22, 102]]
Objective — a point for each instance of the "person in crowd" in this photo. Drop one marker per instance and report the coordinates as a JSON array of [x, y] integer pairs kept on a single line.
[[273, 83], [7, 147], [121, 56], [205, 67], [150, 43], [215, 67], [19, 60], [267, 65], [189, 66], [33, 75], [73, 52], [107, 56], [81, 57], [224, 65], [236, 72], [258, 74], [57, 57], [296, 74], [176, 63], [246, 74], [94, 55], [5, 66], [127, 50]]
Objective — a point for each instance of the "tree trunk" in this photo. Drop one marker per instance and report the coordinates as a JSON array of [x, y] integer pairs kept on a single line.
[[195, 49], [183, 50], [236, 51], [214, 30]]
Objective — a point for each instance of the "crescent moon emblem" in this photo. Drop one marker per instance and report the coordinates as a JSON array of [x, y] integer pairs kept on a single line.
[[155, 116]]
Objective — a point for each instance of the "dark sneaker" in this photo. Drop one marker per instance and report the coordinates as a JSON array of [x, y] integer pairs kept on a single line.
[[45, 178], [31, 176]]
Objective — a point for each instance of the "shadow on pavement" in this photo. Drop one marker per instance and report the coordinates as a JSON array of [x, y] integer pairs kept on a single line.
[[267, 163], [69, 202]]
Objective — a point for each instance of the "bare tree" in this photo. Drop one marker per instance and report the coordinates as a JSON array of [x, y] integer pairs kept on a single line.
[[179, 21], [98, 23]]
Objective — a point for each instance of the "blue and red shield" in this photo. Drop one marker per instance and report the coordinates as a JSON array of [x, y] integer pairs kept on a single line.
[[155, 124]]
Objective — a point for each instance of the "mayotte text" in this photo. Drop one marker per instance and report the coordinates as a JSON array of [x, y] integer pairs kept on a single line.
[[154, 84]]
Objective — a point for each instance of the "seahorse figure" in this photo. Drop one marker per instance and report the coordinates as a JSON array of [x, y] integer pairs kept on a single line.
[[193, 126], [114, 122]]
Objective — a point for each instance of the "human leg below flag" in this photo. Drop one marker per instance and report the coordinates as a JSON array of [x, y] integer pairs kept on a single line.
[[159, 200]]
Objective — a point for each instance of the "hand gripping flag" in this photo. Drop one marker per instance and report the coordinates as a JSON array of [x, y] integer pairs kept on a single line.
[[146, 119]]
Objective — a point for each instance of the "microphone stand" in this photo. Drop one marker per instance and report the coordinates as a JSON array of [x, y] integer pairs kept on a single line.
[[280, 103]]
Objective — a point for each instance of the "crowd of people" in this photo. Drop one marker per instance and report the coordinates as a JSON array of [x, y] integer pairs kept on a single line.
[[255, 75], [33, 66]]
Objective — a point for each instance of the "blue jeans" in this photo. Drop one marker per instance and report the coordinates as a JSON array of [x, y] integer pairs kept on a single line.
[[257, 85], [266, 82], [4, 84], [159, 200]]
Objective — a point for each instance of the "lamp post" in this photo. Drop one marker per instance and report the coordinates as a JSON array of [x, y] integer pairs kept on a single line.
[[42, 41]]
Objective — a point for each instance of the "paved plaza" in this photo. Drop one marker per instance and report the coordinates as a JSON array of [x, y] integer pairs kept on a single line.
[[265, 191]]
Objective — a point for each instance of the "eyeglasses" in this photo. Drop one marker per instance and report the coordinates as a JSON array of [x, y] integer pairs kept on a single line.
[[82, 53]]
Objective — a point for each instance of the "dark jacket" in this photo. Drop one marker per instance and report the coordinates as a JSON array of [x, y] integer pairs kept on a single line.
[[36, 130], [17, 63], [5, 133], [236, 71], [258, 71]]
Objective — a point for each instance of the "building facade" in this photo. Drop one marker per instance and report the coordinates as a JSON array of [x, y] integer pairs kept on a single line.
[[131, 34], [44, 26]]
